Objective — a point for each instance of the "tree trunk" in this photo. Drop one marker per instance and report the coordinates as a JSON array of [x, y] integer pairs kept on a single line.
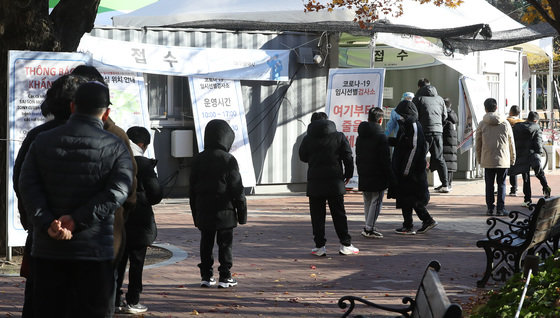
[[26, 25]]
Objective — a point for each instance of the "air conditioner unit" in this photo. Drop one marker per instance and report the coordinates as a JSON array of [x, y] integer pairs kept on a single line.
[[182, 143]]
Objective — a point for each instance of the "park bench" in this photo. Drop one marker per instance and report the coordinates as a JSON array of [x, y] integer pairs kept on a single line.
[[507, 242], [431, 300]]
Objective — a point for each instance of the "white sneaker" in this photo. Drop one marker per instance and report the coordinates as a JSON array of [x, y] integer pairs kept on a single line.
[[444, 190], [319, 251], [348, 250]]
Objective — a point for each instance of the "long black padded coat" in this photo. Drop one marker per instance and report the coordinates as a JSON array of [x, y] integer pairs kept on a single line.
[[217, 197], [373, 158], [329, 159], [450, 140], [528, 146], [409, 160], [81, 170]]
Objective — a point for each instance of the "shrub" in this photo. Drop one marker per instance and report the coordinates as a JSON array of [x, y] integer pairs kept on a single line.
[[541, 300]]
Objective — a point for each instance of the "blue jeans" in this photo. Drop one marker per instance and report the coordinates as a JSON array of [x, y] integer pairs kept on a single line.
[[498, 175]]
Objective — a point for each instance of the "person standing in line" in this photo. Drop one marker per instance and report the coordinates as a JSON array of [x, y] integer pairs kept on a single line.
[[409, 166], [56, 103], [432, 113], [495, 152], [513, 119], [528, 148], [373, 162], [392, 125], [73, 179], [141, 230], [326, 151], [450, 143], [217, 201]]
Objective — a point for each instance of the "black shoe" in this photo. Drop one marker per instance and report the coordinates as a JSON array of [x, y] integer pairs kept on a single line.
[[227, 282], [207, 282], [437, 188], [502, 212], [490, 212], [546, 191], [405, 231], [427, 226]]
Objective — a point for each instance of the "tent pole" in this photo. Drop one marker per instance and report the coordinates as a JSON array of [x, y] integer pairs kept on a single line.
[[550, 92], [533, 104], [372, 50]]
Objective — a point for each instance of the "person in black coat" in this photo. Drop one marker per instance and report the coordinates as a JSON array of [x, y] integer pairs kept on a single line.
[[140, 227], [528, 148], [373, 161], [431, 115], [326, 151], [409, 166], [72, 180], [450, 143], [217, 201]]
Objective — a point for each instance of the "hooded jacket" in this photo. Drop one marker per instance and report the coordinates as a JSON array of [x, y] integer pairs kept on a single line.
[[81, 170], [431, 109], [409, 160], [329, 158], [373, 159], [495, 146], [528, 146], [217, 197]]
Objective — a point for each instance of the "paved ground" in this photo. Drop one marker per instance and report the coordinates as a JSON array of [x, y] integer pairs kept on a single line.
[[279, 278]]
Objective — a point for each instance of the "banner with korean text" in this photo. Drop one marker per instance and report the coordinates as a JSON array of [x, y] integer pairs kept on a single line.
[[222, 99], [31, 74], [351, 93], [235, 64]]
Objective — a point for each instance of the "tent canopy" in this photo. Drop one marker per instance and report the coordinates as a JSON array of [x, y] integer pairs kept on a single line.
[[473, 26]]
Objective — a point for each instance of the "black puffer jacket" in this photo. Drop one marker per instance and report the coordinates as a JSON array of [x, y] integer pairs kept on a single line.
[[140, 226], [81, 170], [528, 146], [326, 151], [450, 140], [431, 109], [409, 160], [373, 159], [217, 197]]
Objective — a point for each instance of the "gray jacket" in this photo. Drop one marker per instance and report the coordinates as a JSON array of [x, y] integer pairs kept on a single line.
[[432, 112]]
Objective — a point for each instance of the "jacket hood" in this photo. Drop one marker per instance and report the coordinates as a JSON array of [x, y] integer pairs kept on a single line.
[[369, 128], [493, 119], [218, 135], [407, 110], [427, 90], [320, 128]]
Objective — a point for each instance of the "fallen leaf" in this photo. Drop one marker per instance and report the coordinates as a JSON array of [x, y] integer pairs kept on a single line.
[[194, 312], [313, 267]]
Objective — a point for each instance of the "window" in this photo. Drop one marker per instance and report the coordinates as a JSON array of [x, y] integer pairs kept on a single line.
[[493, 80], [168, 97]]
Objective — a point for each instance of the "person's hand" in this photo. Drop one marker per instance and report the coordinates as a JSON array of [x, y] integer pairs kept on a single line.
[[67, 222], [57, 232]]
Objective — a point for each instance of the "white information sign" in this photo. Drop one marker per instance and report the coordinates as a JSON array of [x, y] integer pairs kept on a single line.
[[222, 99], [246, 64], [350, 95], [31, 74]]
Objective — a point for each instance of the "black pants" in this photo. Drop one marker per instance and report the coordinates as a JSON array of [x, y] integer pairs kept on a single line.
[[421, 212], [539, 173], [434, 144], [71, 288], [318, 210], [497, 175], [136, 257], [224, 239]]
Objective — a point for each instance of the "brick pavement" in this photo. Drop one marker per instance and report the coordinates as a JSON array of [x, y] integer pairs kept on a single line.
[[279, 278]]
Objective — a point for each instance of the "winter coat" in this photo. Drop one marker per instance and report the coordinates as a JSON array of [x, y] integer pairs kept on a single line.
[[81, 170], [217, 197], [495, 147], [528, 146], [326, 151], [450, 140], [373, 159], [431, 109], [140, 226], [29, 138], [409, 160], [128, 206]]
